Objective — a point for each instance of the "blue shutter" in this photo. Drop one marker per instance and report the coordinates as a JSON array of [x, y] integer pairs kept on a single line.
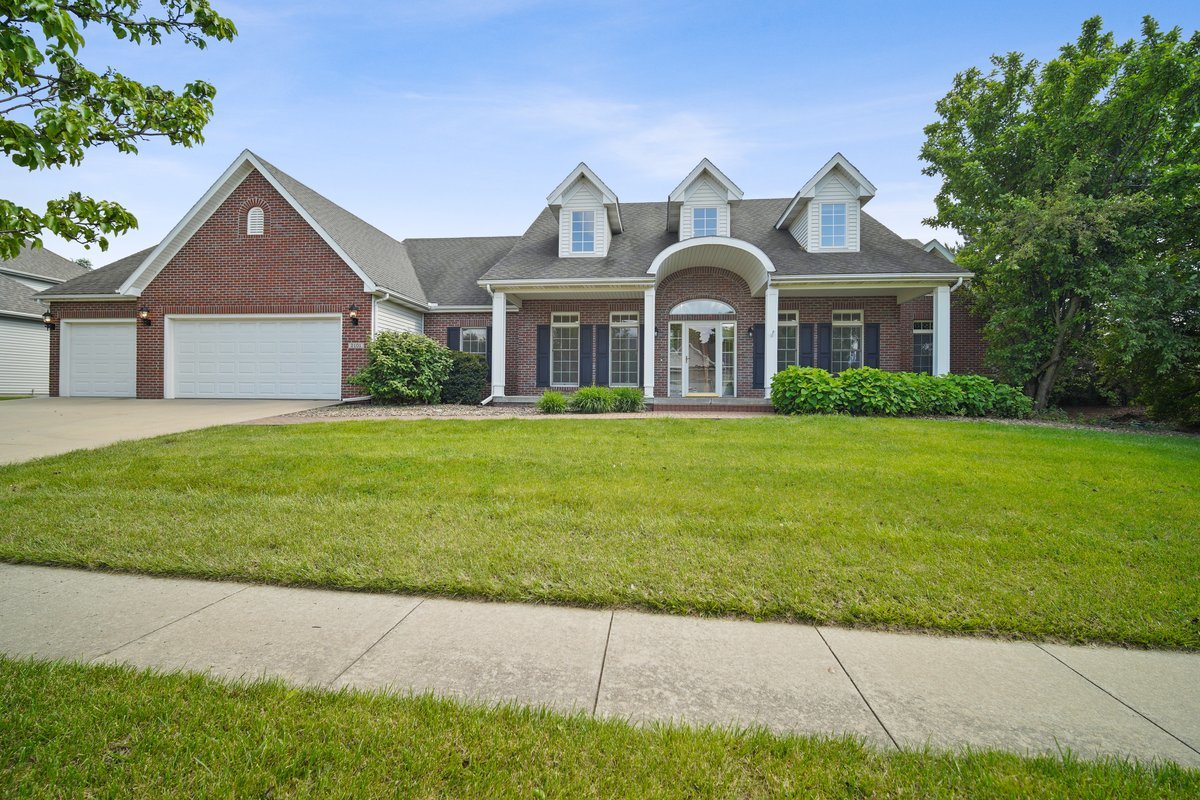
[[602, 355], [543, 355], [489, 351], [585, 355], [871, 345], [806, 345], [454, 338], [825, 346], [758, 333]]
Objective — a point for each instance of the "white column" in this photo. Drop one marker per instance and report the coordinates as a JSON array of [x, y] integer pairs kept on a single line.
[[941, 330], [771, 346], [499, 317], [648, 344]]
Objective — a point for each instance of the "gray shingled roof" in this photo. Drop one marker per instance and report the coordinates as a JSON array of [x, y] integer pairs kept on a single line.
[[449, 269], [645, 236], [17, 298], [380, 256], [38, 262], [104, 280]]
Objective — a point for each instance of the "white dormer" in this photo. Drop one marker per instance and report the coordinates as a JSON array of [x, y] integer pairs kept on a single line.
[[699, 206], [824, 215], [588, 214]]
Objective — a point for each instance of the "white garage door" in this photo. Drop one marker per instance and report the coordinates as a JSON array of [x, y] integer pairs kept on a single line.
[[100, 358], [258, 357]]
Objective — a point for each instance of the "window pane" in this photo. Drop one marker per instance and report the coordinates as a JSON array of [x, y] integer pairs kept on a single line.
[[847, 340], [564, 355], [923, 352], [474, 340], [675, 361], [702, 307], [583, 231], [788, 341], [833, 224], [728, 359], [704, 222], [623, 355]]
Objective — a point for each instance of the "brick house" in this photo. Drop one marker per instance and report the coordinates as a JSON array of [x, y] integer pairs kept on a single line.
[[267, 289]]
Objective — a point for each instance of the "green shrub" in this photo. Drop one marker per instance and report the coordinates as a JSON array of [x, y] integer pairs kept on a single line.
[[552, 403], [979, 394], [1009, 401], [628, 399], [592, 400], [404, 368], [805, 390], [867, 390], [468, 379]]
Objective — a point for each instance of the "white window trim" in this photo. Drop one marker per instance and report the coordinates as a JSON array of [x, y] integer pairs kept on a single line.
[[788, 319], [716, 215], [572, 246], [845, 226], [555, 322], [924, 332], [613, 324], [462, 338], [860, 324]]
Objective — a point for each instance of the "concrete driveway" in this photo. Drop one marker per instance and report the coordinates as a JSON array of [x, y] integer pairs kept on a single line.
[[45, 426]]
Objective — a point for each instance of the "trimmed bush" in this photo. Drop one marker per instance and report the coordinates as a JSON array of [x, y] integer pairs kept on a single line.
[[404, 368], [627, 399], [592, 400], [979, 394], [805, 390], [552, 403], [1009, 401], [468, 380]]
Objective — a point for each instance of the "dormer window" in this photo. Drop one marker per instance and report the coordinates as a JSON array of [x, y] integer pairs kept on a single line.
[[833, 225], [704, 221], [254, 222], [583, 231]]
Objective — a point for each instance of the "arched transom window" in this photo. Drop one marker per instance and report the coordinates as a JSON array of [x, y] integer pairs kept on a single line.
[[702, 307], [254, 222]]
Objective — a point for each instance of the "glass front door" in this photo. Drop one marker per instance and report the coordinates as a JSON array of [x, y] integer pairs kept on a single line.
[[701, 359]]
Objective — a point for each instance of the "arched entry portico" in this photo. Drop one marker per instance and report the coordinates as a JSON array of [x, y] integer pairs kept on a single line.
[[725, 358]]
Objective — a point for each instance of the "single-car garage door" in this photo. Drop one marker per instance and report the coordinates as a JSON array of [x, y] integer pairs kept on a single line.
[[98, 359], [257, 357]]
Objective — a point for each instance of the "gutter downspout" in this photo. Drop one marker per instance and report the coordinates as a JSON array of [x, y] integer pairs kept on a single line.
[[955, 286]]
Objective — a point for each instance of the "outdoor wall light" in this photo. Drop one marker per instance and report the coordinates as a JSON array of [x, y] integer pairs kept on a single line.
[[48, 320], [353, 314], [144, 315]]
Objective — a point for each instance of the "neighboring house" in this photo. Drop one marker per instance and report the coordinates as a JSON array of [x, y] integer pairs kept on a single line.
[[24, 340], [268, 289]]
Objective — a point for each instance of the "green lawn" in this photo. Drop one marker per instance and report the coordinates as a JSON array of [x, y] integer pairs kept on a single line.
[[78, 731], [955, 526]]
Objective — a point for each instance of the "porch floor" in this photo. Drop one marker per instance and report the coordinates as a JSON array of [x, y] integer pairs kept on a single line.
[[740, 405]]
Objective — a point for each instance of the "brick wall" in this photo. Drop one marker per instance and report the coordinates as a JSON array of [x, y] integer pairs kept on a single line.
[[966, 333], [221, 270], [893, 341]]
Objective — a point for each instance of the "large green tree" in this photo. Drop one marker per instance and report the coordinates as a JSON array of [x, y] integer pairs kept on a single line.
[[53, 108], [1074, 185]]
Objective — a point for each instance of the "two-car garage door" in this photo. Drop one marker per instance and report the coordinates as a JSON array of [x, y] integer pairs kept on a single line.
[[255, 357]]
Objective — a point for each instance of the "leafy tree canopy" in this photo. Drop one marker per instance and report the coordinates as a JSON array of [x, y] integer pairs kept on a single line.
[[1074, 185], [53, 108]]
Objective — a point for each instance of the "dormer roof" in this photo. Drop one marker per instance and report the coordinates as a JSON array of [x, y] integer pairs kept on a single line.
[[583, 172], [679, 194], [863, 187]]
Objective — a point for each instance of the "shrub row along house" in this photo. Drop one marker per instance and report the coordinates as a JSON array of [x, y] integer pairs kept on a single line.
[[267, 289]]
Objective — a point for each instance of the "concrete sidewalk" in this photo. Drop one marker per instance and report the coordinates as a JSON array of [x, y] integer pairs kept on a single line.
[[895, 690]]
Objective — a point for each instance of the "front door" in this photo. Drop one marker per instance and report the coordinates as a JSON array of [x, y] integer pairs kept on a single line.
[[702, 359]]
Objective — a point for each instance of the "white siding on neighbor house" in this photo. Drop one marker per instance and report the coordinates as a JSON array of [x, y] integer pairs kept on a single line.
[[33, 283], [24, 356], [833, 189], [392, 317], [583, 196], [703, 193]]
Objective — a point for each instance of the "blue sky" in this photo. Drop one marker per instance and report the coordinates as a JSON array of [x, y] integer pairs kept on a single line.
[[457, 117]]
